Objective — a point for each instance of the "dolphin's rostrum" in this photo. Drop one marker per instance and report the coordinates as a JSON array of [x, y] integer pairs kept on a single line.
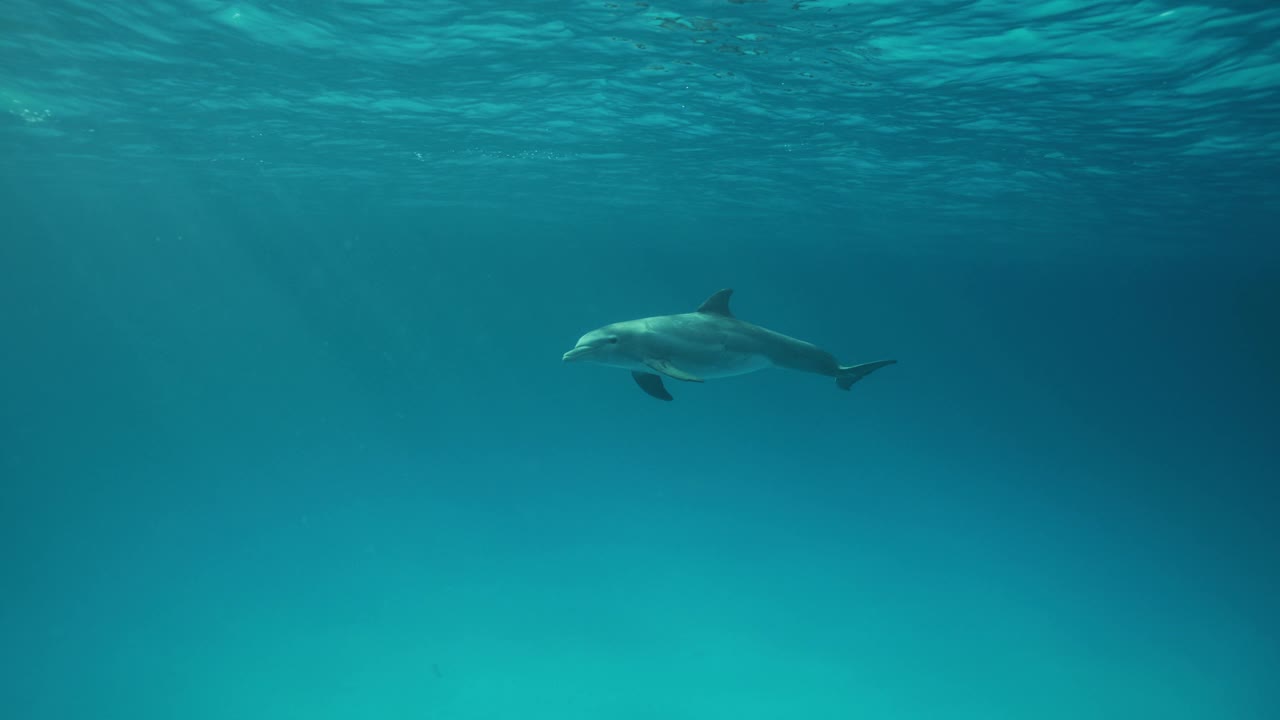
[[708, 343]]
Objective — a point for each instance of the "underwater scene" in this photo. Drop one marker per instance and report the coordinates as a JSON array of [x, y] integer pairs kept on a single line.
[[617, 360]]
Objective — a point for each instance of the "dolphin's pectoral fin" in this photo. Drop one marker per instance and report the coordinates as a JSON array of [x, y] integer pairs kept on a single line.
[[651, 384], [666, 368]]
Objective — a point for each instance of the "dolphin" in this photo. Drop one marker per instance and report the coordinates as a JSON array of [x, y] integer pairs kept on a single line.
[[707, 343]]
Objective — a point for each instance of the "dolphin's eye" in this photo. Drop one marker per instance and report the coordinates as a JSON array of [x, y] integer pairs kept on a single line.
[[613, 340]]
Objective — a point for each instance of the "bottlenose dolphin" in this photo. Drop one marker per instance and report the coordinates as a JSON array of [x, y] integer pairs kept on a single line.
[[707, 343]]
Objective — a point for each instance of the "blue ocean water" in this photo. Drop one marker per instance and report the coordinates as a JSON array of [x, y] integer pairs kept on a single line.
[[285, 430]]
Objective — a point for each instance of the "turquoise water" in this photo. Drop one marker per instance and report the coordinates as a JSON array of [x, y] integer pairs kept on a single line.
[[285, 431]]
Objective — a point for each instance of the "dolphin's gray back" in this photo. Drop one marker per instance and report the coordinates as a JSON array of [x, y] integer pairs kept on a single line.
[[698, 333]]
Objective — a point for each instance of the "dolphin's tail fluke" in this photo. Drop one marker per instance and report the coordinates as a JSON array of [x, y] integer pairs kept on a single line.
[[850, 374]]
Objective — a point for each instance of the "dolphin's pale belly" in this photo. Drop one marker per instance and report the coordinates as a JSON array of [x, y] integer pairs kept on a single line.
[[718, 366], [723, 364]]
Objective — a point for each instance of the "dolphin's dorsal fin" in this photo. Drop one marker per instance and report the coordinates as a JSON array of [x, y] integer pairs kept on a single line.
[[717, 304]]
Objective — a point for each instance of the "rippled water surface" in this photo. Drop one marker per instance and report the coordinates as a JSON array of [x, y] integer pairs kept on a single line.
[[899, 116]]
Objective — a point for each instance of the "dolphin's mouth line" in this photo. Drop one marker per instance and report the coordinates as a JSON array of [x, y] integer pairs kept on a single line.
[[577, 352]]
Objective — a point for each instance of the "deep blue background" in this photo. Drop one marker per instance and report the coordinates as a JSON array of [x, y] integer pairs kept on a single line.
[[239, 444]]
